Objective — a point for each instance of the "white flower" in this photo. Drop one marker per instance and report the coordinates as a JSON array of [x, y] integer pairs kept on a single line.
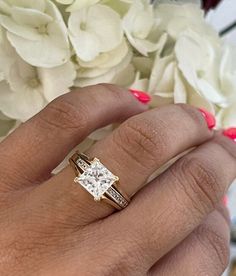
[[56, 81], [23, 97], [77, 4], [28, 89], [227, 116], [36, 30], [176, 18], [105, 68], [94, 30], [141, 27], [120, 6], [1, 63], [193, 67], [6, 124], [206, 68]]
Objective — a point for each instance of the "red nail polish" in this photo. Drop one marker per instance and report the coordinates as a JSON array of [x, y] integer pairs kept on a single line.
[[230, 133], [225, 200], [141, 96], [210, 118]]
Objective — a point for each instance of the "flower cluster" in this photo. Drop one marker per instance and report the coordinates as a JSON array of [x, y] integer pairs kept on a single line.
[[165, 48]]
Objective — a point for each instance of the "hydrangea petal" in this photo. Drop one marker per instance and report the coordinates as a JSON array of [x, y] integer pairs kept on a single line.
[[80, 4], [30, 17], [108, 77], [28, 102], [180, 93], [25, 32], [6, 124], [29, 4], [49, 41], [94, 30], [227, 116], [57, 81], [107, 59]]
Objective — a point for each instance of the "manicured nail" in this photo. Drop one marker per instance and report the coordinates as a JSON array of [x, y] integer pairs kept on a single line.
[[225, 200], [210, 118], [141, 96], [230, 133]]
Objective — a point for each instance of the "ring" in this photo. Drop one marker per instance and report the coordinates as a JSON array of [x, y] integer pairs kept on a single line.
[[100, 182]]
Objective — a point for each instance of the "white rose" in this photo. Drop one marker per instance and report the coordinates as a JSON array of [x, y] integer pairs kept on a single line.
[[36, 30], [94, 30]]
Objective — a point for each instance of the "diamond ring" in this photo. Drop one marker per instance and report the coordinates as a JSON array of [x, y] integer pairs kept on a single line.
[[100, 182]]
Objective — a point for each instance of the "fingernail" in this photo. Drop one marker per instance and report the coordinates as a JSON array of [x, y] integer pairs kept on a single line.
[[141, 96], [230, 133], [210, 118], [225, 200]]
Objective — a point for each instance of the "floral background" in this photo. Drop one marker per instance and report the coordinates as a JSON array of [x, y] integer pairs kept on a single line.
[[130, 43]]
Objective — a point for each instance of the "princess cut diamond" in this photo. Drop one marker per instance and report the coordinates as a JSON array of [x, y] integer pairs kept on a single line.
[[96, 179]]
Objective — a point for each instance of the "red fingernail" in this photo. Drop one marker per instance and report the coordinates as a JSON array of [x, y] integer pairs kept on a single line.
[[225, 200], [230, 133], [141, 96], [210, 119]]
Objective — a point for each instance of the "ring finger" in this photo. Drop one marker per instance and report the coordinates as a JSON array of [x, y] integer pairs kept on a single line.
[[39, 145], [133, 152]]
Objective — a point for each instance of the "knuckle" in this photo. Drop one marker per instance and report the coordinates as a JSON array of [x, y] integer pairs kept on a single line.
[[62, 114], [104, 92], [199, 182], [224, 144], [216, 245], [137, 135], [114, 90], [191, 112]]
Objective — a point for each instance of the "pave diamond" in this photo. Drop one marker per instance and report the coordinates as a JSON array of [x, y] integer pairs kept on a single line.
[[82, 164], [96, 179]]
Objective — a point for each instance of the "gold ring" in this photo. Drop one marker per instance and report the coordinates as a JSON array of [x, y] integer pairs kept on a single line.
[[100, 182]]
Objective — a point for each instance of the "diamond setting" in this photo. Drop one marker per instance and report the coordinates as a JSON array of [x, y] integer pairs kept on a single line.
[[96, 179]]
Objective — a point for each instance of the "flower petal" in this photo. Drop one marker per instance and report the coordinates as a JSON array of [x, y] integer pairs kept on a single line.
[[94, 30], [57, 81], [22, 105]]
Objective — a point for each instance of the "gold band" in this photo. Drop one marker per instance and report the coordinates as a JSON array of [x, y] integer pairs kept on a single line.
[[101, 183]]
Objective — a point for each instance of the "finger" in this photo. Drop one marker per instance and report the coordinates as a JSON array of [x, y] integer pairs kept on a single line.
[[133, 152], [205, 251], [166, 211], [40, 144]]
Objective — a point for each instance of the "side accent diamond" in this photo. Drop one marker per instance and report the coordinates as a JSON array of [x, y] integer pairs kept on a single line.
[[82, 164], [117, 197]]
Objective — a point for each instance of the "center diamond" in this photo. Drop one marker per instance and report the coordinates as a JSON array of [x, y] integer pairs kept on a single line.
[[96, 179]]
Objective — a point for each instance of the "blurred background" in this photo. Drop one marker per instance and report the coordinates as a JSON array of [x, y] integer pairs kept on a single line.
[[223, 18]]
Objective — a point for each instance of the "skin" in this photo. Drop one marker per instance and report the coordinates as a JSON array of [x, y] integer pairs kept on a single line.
[[174, 225]]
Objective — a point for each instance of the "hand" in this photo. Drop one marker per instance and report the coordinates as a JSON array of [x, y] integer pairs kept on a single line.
[[175, 225]]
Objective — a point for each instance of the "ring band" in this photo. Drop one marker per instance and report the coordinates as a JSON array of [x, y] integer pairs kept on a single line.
[[100, 182]]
